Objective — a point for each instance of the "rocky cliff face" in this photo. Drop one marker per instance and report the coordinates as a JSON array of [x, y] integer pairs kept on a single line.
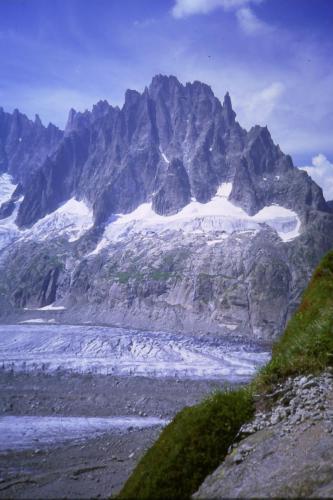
[[162, 214]]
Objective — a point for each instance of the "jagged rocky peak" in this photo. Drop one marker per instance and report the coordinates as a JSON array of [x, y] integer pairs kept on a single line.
[[25, 144], [132, 99], [101, 108], [38, 121], [170, 141], [228, 112], [164, 84], [70, 120], [78, 121], [187, 98]]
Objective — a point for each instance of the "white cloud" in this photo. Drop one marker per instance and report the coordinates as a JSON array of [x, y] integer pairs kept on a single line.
[[250, 23], [321, 172], [258, 107], [183, 8]]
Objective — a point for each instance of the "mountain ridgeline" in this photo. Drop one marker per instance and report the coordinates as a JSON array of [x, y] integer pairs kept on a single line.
[[170, 148], [168, 144]]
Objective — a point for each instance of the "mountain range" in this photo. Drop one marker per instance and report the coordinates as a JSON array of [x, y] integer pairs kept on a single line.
[[164, 214]]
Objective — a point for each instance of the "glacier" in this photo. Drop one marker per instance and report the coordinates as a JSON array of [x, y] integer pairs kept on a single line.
[[105, 350], [25, 432]]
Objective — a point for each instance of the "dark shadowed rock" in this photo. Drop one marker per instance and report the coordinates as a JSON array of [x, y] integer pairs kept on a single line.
[[175, 191]]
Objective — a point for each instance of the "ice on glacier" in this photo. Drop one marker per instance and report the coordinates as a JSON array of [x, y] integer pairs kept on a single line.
[[119, 351]]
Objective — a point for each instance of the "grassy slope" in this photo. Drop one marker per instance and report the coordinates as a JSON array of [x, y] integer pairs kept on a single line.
[[307, 343], [190, 447], [197, 440]]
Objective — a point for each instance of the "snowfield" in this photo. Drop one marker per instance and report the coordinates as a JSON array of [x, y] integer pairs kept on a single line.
[[71, 220], [92, 349], [218, 214], [74, 218], [7, 188]]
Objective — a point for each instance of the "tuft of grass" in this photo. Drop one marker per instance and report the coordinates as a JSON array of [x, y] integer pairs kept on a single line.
[[197, 440], [190, 447], [158, 275], [123, 277]]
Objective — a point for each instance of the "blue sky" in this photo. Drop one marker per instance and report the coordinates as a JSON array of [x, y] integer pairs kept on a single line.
[[273, 56]]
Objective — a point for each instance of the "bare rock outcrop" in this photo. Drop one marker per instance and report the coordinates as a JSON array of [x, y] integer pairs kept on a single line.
[[286, 451]]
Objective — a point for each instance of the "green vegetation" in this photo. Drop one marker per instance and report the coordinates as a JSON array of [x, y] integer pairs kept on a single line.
[[197, 440], [157, 275], [123, 277], [190, 447], [307, 343]]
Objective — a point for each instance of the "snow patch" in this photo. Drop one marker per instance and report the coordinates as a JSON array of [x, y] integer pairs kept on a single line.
[[285, 222], [218, 240], [7, 188], [230, 326], [274, 212], [38, 320], [164, 156], [71, 220], [51, 307], [8, 229], [224, 190], [74, 207]]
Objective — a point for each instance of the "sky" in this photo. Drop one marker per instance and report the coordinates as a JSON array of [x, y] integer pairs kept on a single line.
[[273, 56]]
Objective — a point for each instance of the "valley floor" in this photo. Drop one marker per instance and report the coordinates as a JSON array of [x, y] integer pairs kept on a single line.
[[97, 466], [79, 405]]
